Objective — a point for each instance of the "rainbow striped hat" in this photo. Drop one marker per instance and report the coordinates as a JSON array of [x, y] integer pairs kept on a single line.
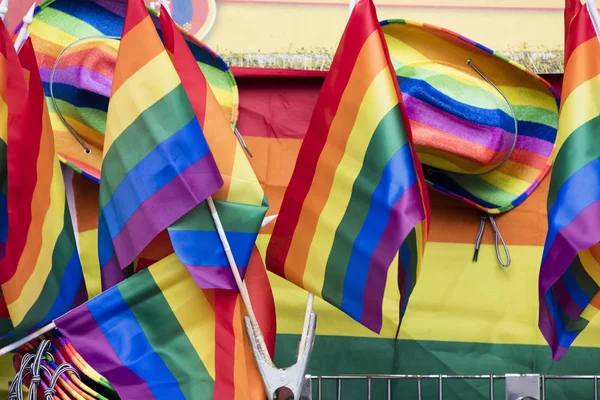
[[83, 35], [484, 126]]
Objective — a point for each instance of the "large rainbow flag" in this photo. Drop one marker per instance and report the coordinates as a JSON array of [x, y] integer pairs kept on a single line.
[[240, 202], [156, 165], [42, 276], [357, 195], [157, 335], [570, 273]]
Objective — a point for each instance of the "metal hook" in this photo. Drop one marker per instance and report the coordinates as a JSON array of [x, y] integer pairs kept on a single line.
[[86, 150]]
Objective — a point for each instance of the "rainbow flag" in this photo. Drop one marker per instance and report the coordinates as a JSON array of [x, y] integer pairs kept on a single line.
[[42, 273], [357, 195], [195, 351], [570, 272], [156, 165], [241, 202]]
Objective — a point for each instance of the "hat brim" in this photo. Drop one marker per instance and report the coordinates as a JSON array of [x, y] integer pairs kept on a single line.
[[82, 96], [534, 101]]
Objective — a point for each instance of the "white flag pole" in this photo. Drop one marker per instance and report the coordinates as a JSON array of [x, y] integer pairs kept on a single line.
[[24, 32], [3, 9]]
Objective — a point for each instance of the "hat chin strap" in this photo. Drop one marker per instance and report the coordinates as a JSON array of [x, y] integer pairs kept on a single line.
[[498, 239]]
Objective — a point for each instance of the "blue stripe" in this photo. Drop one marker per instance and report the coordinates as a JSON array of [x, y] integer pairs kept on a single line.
[[69, 286], [397, 177], [409, 282], [3, 218], [169, 159], [95, 15], [126, 337], [105, 244], [425, 92], [575, 195], [565, 336], [76, 96], [204, 248], [575, 292]]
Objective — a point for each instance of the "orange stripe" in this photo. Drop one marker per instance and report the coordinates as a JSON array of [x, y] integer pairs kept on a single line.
[[595, 252], [529, 159], [86, 194], [369, 63], [582, 66], [41, 203], [138, 47], [221, 140], [3, 69]]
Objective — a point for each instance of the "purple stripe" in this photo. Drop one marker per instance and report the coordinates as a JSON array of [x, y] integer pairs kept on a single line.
[[493, 138], [565, 302], [581, 234], [86, 336], [546, 325], [406, 213], [118, 7], [167, 205], [80, 77], [535, 145], [215, 277], [111, 273]]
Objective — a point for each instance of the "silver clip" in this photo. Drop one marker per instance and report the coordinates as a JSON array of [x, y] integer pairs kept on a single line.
[[291, 379]]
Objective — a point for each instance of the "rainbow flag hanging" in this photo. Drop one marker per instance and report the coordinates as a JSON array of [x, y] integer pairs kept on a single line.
[[157, 335], [570, 272], [357, 195], [241, 202], [156, 165], [42, 272]]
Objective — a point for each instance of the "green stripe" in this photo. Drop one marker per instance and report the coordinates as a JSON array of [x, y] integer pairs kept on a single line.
[[156, 124], [61, 255], [92, 117], [482, 189], [585, 282], [580, 148], [166, 336], [66, 23], [537, 115], [235, 217], [216, 77], [353, 355], [388, 138]]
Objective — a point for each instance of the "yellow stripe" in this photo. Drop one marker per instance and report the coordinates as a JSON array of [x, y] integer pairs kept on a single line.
[[50, 33], [590, 265], [506, 182], [381, 92], [90, 264], [3, 121], [84, 131], [580, 107], [51, 229], [244, 187], [589, 313], [147, 86], [419, 237], [223, 96], [189, 305]]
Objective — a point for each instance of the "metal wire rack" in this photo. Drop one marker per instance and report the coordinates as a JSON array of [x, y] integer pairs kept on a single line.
[[516, 386]]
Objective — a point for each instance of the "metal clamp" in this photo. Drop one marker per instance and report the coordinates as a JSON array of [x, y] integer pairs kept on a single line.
[[290, 380]]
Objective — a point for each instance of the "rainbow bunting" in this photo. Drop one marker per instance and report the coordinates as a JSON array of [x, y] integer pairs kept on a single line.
[[122, 334], [241, 203], [156, 165], [42, 275], [570, 272], [357, 194]]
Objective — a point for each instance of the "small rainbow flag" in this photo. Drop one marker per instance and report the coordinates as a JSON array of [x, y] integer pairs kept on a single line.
[[157, 335], [357, 195], [156, 165], [42, 273], [241, 202], [570, 272]]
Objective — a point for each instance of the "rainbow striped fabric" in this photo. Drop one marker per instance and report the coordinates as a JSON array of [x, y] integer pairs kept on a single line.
[[241, 203], [461, 123], [83, 78], [41, 273], [569, 278], [357, 195], [207, 344], [156, 165]]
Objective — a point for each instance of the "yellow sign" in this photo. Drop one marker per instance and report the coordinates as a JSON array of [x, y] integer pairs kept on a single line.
[[304, 33]]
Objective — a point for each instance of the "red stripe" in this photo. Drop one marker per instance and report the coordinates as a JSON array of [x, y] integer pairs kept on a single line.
[[136, 12], [353, 39], [24, 137], [193, 79], [579, 31], [261, 297], [224, 345]]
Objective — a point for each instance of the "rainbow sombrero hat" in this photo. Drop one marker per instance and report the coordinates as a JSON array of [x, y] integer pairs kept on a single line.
[[483, 126], [83, 35]]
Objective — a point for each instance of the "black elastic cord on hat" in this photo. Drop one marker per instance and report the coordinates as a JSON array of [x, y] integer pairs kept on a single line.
[[86, 149]]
